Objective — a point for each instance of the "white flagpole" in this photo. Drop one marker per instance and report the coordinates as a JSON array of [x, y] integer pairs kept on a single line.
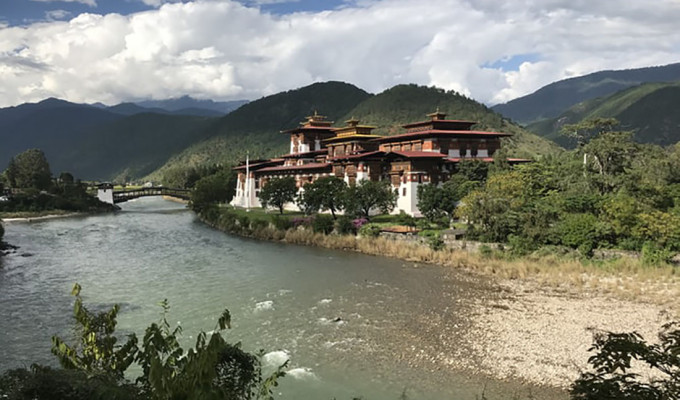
[[247, 183]]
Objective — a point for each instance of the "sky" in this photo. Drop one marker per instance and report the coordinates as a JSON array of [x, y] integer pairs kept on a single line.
[[112, 51]]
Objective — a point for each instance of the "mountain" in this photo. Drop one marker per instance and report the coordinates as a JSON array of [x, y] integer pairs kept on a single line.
[[255, 127], [93, 142], [553, 99], [403, 104], [190, 106], [650, 110]]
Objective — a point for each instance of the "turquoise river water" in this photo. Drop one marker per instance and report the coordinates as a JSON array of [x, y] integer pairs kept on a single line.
[[351, 324]]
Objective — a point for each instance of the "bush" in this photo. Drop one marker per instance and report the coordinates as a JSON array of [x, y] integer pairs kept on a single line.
[[521, 245], [244, 222], [281, 222], [258, 224], [435, 242], [653, 254], [304, 222], [323, 223], [485, 251], [359, 222], [370, 230], [405, 219], [345, 226]]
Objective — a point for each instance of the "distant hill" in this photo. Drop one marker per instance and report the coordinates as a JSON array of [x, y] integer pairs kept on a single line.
[[650, 110], [256, 126], [96, 143], [403, 104], [553, 99], [190, 106]]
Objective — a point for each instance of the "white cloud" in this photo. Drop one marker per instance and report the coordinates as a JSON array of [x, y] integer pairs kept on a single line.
[[56, 15], [223, 50], [91, 3]]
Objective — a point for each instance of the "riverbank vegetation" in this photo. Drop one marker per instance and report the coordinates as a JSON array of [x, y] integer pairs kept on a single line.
[[94, 367], [29, 190]]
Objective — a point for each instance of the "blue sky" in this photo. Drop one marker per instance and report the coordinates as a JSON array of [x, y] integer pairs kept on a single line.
[[112, 51], [23, 12]]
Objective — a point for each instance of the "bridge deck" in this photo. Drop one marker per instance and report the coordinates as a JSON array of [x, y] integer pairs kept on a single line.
[[125, 195]]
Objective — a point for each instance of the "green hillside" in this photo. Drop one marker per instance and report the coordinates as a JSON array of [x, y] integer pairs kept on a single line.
[[650, 110], [403, 104], [255, 127], [551, 100]]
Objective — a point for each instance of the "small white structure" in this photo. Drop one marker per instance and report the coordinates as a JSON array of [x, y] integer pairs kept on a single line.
[[105, 193]]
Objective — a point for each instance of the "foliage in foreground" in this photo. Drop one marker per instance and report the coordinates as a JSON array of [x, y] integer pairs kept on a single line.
[[616, 353], [95, 366]]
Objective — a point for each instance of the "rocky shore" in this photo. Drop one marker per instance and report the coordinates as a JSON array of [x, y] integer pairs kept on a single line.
[[542, 336]]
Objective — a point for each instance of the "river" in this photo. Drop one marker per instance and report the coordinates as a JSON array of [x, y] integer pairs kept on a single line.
[[351, 324]]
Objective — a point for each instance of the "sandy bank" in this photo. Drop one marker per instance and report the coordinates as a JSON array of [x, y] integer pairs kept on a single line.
[[42, 217]]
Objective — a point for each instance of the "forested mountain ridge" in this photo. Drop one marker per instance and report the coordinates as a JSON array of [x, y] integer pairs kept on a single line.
[[255, 127], [649, 110], [404, 104], [96, 143], [553, 99]]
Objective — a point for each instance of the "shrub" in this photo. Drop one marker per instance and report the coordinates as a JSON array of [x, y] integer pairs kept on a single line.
[[323, 223], [359, 222], [281, 222], [653, 254], [258, 224], [435, 242], [405, 219], [244, 221], [305, 222], [521, 245], [370, 230], [344, 226], [485, 251]]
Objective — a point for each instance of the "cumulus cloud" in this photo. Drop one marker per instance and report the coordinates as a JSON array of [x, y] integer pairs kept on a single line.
[[222, 49], [91, 3]]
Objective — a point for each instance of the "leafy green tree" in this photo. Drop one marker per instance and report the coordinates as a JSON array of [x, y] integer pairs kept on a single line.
[[277, 192], [66, 178], [616, 353], [586, 130], [213, 189], [367, 195], [30, 169], [323, 194], [438, 201]]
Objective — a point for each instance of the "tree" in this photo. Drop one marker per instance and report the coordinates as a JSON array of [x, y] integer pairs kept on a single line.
[[435, 202], [213, 189], [278, 192], [323, 194], [367, 195], [588, 129], [30, 169], [612, 377], [66, 178]]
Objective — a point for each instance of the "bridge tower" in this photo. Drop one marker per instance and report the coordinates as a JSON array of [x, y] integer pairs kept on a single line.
[[105, 193]]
